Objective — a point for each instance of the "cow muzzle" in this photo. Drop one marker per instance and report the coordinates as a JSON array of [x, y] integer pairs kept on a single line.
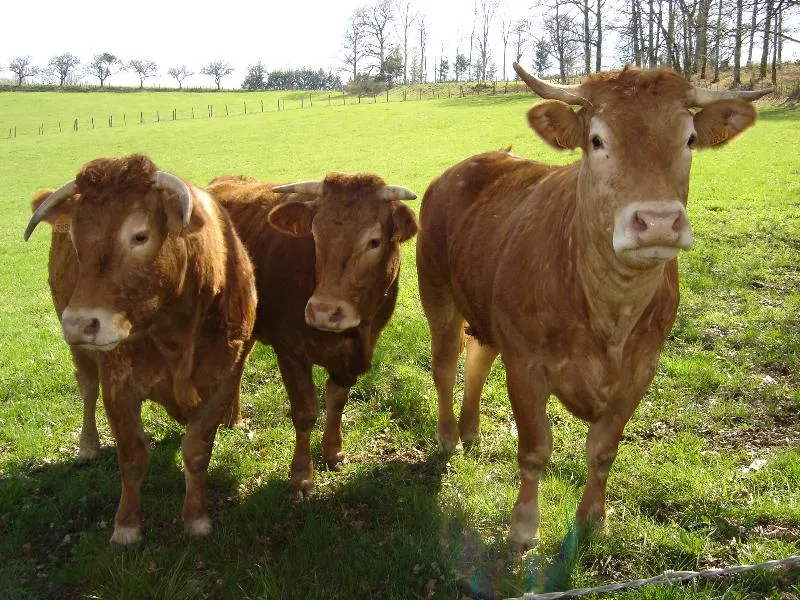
[[329, 314], [651, 232], [94, 329]]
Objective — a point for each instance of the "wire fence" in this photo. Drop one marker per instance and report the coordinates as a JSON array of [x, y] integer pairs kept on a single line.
[[292, 101], [668, 577]]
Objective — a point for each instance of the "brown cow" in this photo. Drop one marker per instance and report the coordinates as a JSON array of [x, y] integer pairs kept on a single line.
[[570, 272], [157, 300], [330, 256]]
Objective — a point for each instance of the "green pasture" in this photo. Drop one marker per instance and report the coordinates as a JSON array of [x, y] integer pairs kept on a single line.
[[708, 473]]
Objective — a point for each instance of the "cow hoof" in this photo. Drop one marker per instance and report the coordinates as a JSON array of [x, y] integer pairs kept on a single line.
[[126, 536], [335, 463], [88, 450], [199, 527], [302, 488]]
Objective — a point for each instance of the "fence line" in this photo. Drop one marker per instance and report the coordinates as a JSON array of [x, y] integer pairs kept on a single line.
[[435, 92], [668, 577]]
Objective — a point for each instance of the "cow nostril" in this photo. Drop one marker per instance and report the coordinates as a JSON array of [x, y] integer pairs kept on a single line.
[[337, 315], [679, 223], [639, 224], [92, 327]]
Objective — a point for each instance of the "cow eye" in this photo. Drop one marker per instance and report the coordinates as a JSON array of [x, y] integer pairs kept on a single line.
[[374, 243], [691, 140], [597, 143], [139, 239]]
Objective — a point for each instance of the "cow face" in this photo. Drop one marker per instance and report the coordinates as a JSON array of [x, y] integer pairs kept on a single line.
[[130, 245], [358, 224], [637, 134]]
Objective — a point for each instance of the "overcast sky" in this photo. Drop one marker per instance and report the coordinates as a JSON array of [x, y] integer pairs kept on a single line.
[[283, 33]]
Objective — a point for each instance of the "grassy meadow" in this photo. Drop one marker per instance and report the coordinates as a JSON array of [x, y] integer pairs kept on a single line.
[[708, 473]]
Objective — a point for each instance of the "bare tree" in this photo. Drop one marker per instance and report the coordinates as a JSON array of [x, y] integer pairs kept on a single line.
[[521, 32], [180, 73], [737, 44], [144, 69], [377, 20], [22, 68], [485, 11], [562, 45], [405, 19], [506, 28], [423, 40], [753, 23], [217, 69], [354, 41], [63, 65], [104, 66], [768, 17]]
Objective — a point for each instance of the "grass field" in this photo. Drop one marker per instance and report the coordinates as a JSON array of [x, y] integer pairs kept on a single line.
[[708, 472]]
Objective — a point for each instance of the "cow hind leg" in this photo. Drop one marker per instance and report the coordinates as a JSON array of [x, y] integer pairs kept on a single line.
[[480, 358], [88, 378], [297, 379], [447, 337], [335, 399]]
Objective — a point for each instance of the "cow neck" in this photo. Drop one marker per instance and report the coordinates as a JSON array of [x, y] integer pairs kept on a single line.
[[615, 294]]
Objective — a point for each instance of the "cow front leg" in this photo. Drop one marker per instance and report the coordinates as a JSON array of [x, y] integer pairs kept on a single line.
[[528, 395], [196, 451], [87, 376], [335, 399], [297, 380], [602, 442], [480, 358], [133, 455], [233, 416]]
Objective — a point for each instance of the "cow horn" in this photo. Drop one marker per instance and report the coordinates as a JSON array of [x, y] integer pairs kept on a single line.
[[396, 192], [704, 96], [551, 91], [301, 187], [165, 180], [61, 194]]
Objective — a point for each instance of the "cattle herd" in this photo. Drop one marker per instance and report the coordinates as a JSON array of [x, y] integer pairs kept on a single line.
[[569, 273]]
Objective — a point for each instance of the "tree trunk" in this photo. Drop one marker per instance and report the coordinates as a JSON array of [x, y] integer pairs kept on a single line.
[[767, 34], [717, 36], [671, 35], [775, 44], [637, 59], [701, 49], [598, 60], [752, 32], [587, 41], [651, 51], [737, 44]]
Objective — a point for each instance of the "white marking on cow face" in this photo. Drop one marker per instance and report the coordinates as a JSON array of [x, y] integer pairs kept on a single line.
[[137, 235], [94, 328], [641, 192]]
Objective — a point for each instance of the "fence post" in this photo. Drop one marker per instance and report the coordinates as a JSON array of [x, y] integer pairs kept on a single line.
[[343, 100], [226, 110], [301, 102], [15, 131], [59, 127], [75, 125], [245, 108], [92, 122], [279, 104], [387, 94], [404, 95], [329, 99], [124, 118], [141, 117], [110, 120], [158, 117], [193, 112], [262, 105]]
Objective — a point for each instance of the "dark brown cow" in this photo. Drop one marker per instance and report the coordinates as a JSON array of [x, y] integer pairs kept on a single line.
[[157, 298], [330, 256], [567, 272]]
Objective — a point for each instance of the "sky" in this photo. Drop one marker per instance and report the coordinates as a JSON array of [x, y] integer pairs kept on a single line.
[[283, 34]]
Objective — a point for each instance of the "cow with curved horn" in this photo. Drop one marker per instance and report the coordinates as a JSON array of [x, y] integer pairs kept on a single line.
[[157, 299], [569, 273], [329, 252]]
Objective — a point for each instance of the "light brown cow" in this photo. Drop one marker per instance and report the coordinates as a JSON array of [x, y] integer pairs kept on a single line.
[[330, 257], [570, 272], [157, 298]]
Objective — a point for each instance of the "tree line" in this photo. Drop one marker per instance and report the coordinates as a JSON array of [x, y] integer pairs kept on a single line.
[[387, 42]]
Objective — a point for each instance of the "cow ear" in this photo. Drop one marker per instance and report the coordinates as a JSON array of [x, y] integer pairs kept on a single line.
[[404, 222], [721, 121], [60, 216], [557, 124], [293, 217]]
